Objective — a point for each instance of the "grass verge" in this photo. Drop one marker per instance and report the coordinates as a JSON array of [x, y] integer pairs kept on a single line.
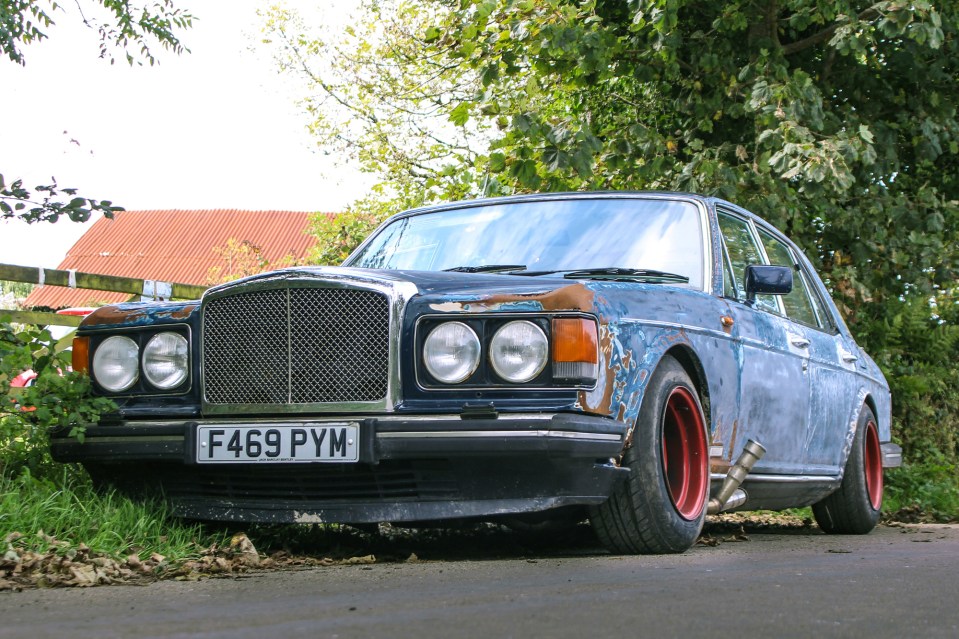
[[63, 532], [924, 492]]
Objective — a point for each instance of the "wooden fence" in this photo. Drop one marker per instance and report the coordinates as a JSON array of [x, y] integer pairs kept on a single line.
[[47, 276], [89, 281]]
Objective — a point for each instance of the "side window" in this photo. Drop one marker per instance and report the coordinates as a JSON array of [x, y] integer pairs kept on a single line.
[[743, 251], [825, 318], [798, 304]]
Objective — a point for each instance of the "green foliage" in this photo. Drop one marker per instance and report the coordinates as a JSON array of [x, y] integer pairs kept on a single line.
[[837, 121], [129, 27], [59, 399], [19, 290], [917, 346], [338, 235], [62, 511], [928, 490], [916, 343], [48, 203]]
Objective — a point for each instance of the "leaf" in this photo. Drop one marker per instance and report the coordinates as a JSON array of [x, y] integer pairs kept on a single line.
[[460, 115], [525, 171]]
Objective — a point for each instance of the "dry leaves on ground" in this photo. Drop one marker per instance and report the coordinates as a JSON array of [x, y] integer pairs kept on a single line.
[[61, 565]]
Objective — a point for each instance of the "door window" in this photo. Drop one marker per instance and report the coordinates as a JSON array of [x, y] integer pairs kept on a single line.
[[743, 250]]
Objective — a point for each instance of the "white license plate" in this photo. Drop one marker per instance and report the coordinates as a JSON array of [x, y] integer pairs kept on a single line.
[[278, 443]]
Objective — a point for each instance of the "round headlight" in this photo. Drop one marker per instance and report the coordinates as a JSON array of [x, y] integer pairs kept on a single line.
[[519, 351], [166, 360], [451, 352], [116, 363]]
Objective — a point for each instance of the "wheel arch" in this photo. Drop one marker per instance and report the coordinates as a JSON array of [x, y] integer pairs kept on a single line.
[[691, 363], [864, 399], [870, 401]]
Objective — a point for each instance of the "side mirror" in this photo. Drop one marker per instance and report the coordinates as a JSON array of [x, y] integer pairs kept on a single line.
[[767, 280]]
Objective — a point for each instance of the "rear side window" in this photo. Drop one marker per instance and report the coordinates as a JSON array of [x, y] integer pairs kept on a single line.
[[799, 306]]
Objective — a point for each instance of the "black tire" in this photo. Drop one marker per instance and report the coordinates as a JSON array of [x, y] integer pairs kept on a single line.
[[855, 507], [661, 506]]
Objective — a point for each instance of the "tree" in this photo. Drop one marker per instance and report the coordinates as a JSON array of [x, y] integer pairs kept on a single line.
[[132, 29], [242, 258], [834, 119]]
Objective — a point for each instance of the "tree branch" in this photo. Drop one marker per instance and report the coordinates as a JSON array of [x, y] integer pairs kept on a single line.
[[871, 13]]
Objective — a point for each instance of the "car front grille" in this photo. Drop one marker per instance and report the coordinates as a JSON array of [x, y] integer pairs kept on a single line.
[[296, 346]]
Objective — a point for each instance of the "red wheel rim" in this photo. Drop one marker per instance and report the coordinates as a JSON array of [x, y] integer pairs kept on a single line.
[[872, 462], [684, 454]]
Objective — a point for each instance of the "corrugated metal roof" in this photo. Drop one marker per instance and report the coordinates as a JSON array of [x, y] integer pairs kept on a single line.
[[172, 246]]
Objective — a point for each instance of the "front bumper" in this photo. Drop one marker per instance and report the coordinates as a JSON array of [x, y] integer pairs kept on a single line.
[[410, 468]]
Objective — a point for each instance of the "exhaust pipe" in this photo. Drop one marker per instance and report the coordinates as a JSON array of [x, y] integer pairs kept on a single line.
[[730, 495]]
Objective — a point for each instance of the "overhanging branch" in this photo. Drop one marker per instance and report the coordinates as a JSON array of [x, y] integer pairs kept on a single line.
[[866, 15]]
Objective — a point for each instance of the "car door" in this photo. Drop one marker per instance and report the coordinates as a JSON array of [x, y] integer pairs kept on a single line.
[[774, 387], [832, 362]]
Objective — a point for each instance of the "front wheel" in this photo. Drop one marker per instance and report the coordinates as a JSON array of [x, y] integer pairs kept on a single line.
[[660, 508], [855, 507]]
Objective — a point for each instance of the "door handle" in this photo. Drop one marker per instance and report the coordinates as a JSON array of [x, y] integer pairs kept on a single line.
[[849, 358], [799, 342]]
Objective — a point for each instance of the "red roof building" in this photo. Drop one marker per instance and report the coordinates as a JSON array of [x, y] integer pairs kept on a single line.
[[175, 246]]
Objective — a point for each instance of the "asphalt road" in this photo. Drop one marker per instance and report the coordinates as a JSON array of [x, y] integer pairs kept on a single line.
[[895, 582]]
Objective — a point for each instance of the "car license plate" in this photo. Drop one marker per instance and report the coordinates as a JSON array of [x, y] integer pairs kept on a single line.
[[278, 443]]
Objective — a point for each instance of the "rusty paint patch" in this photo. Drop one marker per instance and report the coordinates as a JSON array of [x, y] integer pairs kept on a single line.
[[575, 297], [183, 313], [137, 314], [113, 315], [732, 441]]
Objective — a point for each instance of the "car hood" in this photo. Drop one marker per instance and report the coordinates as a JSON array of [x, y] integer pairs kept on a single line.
[[450, 291]]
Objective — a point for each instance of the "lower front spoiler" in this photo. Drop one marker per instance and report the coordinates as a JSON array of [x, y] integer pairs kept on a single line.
[[410, 469]]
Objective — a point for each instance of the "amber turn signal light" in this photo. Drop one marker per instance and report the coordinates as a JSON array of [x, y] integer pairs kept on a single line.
[[575, 349], [81, 354]]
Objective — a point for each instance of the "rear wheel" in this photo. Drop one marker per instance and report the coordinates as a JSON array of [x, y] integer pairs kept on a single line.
[[855, 507], [660, 508]]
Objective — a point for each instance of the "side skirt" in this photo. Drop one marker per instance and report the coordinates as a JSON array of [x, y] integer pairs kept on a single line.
[[776, 492]]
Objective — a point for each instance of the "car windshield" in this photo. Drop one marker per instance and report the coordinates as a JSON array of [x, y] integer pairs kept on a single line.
[[550, 235]]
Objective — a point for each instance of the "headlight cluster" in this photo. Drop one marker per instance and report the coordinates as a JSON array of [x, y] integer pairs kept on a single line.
[[164, 362], [517, 351]]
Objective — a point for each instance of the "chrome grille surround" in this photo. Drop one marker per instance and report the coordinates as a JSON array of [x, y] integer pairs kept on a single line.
[[300, 341]]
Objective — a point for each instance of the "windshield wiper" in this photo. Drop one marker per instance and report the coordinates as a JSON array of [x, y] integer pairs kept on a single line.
[[615, 273], [487, 268]]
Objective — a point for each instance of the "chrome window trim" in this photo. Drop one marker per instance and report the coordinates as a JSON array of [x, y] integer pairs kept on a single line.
[[397, 292]]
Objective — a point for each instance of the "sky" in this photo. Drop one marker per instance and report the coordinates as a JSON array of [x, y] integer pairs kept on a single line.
[[214, 128]]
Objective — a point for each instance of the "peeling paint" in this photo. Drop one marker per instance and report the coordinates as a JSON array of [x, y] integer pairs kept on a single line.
[[139, 313], [307, 518], [572, 297]]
